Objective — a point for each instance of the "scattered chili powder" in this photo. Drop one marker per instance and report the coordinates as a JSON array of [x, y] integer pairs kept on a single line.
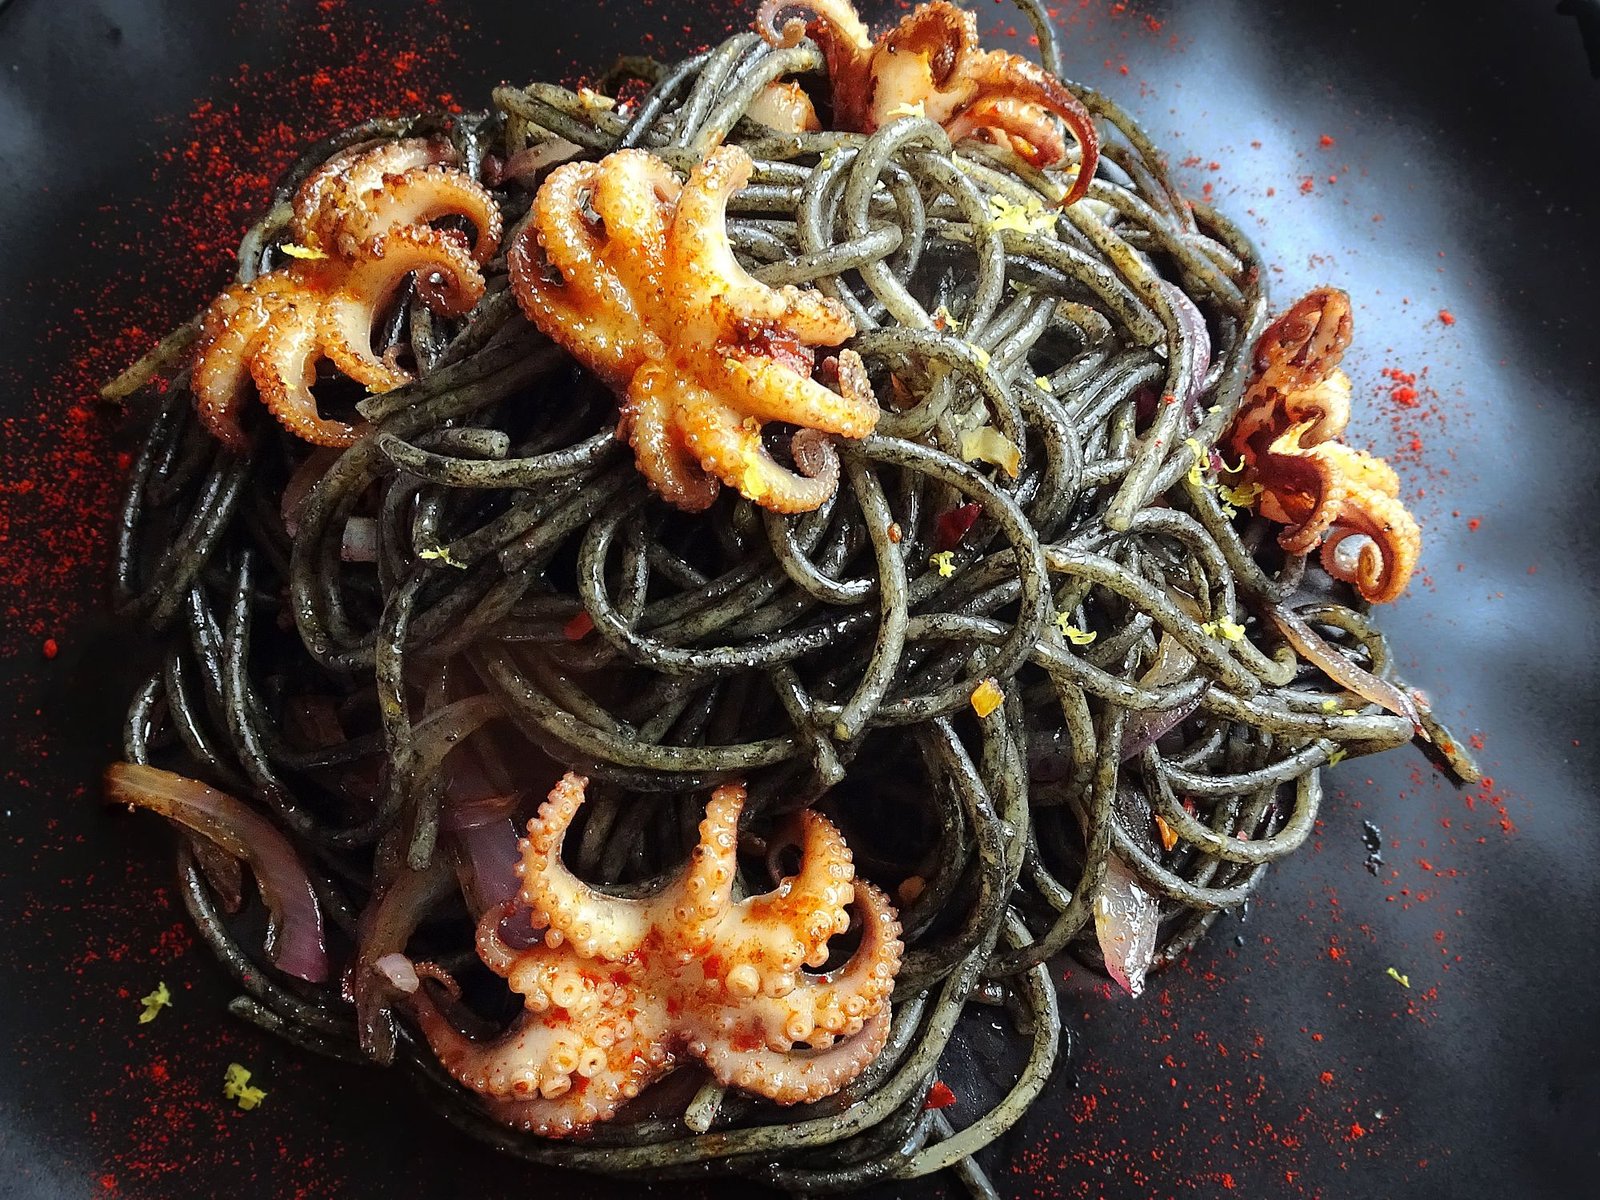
[[939, 1095], [580, 627]]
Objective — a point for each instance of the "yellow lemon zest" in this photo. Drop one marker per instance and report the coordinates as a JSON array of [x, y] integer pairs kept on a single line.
[[441, 554], [154, 1003], [1071, 632], [236, 1087], [1029, 217]]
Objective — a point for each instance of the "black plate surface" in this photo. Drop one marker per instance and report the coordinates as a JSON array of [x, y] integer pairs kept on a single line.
[[1437, 159]]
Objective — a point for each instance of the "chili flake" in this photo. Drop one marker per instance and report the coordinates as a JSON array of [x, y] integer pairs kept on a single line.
[[956, 523], [1168, 835], [987, 697]]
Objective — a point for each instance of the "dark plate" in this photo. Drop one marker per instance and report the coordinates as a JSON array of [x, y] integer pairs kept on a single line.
[[1436, 159]]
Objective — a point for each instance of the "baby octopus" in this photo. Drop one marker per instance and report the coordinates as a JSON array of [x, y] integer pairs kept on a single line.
[[633, 274], [361, 224], [931, 65], [620, 992], [1297, 402]]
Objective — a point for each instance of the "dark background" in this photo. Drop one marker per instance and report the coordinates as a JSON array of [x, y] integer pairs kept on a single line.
[[1432, 158]]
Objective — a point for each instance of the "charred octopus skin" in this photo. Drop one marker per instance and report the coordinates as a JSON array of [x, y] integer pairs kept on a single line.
[[619, 992], [362, 223], [931, 64], [633, 274], [1297, 403]]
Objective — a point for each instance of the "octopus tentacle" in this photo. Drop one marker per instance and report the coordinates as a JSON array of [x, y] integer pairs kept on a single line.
[[730, 448], [229, 331], [837, 17], [839, 1001], [549, 1078], [595, 924], [707, 276], [364, 213], [797, 918], [1013, 123], [799, 1076], [446, 275], [663, 459], [633, 196], [768, 393], [341, 186], [420, 196], [284, 366], [700, 898], [931, 63], [992, 75], [493, 950], [1372, 508], [584, 307]]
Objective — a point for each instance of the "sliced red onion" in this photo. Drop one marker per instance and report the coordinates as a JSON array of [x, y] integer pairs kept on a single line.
[[397, 969], [360, 543], [1337, 666], [305, 477], [295, 940], [484, 810], [1193, 324], [524, 166], [1144, 729], [486, 863], [314, 721], [1126, 917], [222, 872]]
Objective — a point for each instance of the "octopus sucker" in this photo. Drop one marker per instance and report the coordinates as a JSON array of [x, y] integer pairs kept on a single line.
[[632, 272], [931, 65], [629, 989], [1295, 406], [362, 218]]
